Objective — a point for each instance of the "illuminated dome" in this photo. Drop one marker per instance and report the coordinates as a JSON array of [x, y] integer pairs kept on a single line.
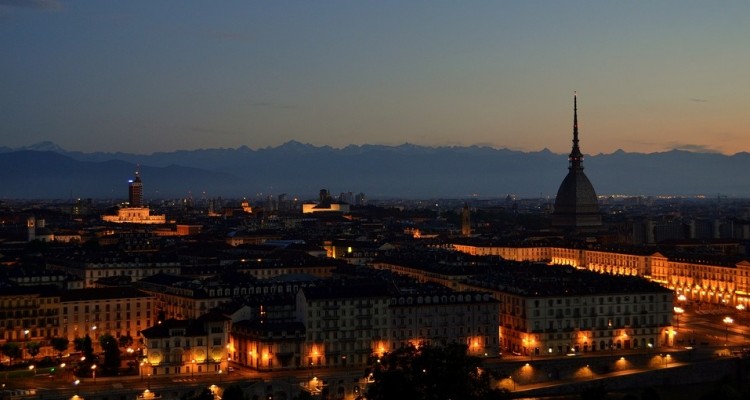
[[576, 204]]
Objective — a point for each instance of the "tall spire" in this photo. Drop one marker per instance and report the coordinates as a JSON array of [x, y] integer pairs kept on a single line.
[[576, 158]]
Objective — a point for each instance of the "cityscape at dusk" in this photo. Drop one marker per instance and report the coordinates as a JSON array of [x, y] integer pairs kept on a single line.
[[384, 200]]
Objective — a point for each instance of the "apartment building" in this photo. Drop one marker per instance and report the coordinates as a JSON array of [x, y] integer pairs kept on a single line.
[[120, 311], [187, 346], [29, 314]]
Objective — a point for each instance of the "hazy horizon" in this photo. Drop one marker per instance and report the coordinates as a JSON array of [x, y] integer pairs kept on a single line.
[[143, 76], [44, 143]]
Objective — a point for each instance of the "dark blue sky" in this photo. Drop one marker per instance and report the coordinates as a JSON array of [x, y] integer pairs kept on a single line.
[[144, 76]]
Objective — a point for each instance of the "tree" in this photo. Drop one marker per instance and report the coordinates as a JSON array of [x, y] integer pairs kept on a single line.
[[33, 349], [60, 344], [125, 341], [431, 373], [303, 395], [111, 352], [11, 350], [205, 394], [233, 392], [723, 389], [88, 348], [78, 343]]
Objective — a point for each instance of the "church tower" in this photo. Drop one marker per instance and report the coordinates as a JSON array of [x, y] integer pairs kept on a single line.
[[576, 204]]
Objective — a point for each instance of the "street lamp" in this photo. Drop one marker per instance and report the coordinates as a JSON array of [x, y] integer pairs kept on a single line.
[[591, 371], [62, 368], [192, 369], [141, 370], [727, 321], [93, 371], [32, 369], [25, 343], [75, 383], [665, 357]]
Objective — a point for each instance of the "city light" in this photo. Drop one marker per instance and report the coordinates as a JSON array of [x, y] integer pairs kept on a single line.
[[727, 321]]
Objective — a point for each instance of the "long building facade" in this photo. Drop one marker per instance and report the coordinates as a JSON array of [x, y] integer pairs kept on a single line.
[[552, 310], [345, 325], [723, 281]]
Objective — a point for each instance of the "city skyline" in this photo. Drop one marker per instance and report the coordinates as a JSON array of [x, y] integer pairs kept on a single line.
[[145, 77]]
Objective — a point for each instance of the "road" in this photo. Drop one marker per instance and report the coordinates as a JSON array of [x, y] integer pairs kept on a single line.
[[704, 325]]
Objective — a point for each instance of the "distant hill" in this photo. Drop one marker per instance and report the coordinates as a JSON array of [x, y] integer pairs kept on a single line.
[[410, 171], [50, 175]]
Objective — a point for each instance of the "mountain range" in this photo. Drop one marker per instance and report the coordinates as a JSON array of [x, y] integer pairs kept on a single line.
[[45, 170]]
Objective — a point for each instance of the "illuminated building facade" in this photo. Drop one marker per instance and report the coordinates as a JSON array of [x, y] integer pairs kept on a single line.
[[699, 278], [269, 345], [135, 215], [121, 311], [560, 307], [711, 279], [444, 317], [136, 212], [29, 314], [343, 323], [325, 204], [567, 324], [187, 347]]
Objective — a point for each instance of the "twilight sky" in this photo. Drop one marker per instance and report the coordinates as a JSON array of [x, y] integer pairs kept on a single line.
[[145, 76]]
